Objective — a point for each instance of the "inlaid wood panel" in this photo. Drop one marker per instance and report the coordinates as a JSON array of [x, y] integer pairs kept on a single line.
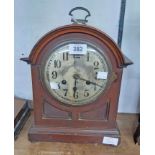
[[50, 111], [97, 114]]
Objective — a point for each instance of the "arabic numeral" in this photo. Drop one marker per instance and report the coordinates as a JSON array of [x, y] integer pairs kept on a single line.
[[96, 65], [86, 93], [65, 92], [54, 74], [57, 63], [65, 56]]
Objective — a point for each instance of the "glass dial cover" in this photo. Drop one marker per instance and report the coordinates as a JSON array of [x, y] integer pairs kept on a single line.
[[75, 78]]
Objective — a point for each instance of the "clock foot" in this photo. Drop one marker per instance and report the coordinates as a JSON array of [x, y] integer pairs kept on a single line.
[[74, 135]]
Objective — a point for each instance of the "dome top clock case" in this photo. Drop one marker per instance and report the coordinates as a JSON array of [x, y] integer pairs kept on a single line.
[[76, 78]]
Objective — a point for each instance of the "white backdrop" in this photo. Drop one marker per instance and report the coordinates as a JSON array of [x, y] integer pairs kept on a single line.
[[35, 18]]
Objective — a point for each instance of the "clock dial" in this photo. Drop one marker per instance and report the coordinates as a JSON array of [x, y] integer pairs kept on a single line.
[[76, 78]]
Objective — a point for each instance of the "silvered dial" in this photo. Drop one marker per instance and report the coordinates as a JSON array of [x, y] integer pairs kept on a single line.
[[76, 79]]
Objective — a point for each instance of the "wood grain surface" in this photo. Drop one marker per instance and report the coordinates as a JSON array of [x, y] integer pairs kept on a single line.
[[126, 122]]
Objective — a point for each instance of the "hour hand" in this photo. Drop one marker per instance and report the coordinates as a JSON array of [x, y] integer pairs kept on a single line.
[[74, 88]]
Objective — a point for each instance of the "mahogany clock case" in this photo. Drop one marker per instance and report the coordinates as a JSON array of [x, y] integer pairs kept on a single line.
[[90, 123]]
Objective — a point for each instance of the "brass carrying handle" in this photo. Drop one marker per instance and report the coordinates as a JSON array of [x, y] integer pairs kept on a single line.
[[79, 21]]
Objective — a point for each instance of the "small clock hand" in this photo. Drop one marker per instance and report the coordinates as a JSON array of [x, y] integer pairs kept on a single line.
[[76, 76], [74, 88]]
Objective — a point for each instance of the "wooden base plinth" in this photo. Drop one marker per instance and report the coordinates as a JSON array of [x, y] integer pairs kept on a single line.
[[72, 135]]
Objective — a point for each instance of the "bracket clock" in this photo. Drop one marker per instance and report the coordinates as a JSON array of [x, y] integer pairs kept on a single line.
[[76, 78]]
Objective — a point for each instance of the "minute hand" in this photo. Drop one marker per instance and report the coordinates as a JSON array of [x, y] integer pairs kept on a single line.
[[78, 77]]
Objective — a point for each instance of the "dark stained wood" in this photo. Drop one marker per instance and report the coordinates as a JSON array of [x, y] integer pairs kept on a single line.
[[71, 135], [96, 114], [51, 112], [74, 128], [75, 28], [126, 123], [136, 135], [21, 114]]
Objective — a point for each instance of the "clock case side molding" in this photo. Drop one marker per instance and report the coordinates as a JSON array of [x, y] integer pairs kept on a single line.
[[90, 123]]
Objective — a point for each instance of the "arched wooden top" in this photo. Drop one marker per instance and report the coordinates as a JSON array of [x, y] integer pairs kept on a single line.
[[76, 28]]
